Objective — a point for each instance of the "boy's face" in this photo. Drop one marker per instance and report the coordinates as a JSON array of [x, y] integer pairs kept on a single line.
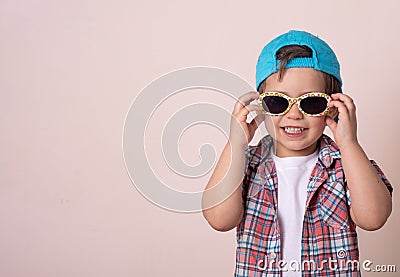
[[295, 82]]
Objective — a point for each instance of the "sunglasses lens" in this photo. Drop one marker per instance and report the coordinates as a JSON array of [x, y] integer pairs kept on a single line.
[[314, 105], [275, 104]]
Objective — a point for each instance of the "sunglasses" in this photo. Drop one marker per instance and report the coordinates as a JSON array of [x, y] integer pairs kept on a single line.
[[311, 104]]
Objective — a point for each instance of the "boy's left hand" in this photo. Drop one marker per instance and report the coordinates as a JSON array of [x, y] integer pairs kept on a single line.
[[345, 131]]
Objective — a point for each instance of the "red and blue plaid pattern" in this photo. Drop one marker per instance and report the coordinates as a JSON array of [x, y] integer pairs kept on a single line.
[[329, 239]]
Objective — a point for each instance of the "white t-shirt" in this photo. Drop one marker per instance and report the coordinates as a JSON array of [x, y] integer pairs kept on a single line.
[[293, 176]]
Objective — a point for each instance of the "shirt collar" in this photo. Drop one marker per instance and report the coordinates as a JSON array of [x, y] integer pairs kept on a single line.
[[328, 150]]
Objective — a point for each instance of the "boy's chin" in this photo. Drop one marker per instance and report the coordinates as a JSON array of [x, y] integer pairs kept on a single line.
[[296, 148]]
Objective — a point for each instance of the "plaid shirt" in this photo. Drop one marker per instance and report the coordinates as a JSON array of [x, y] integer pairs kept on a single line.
[[329, 238]]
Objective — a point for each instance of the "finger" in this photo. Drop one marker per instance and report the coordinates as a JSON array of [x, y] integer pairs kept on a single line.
[[342, 108], [256, 122], [331, 124], [247, 109], [349, 112], [333, 112], [347, 100], [254, 107], [244, 100]]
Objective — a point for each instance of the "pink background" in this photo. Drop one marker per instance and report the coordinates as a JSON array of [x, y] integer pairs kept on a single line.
[[69, 71]]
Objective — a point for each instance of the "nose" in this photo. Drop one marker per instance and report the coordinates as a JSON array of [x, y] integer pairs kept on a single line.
[[294, 112]]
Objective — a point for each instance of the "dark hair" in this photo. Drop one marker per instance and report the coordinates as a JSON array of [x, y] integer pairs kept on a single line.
[[286, 53]]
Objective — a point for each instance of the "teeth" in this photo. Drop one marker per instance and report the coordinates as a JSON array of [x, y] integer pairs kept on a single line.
[[294, 130]]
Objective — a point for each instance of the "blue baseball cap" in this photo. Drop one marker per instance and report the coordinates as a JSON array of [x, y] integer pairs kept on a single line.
[[323, 58]]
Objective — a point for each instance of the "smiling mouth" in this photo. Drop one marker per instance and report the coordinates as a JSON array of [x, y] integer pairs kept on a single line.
[[294, 130]]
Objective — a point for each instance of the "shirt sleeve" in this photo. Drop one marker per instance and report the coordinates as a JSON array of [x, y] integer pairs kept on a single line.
[[381, 175]]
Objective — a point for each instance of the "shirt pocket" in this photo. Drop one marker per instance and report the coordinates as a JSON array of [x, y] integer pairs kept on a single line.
[[332, 206]]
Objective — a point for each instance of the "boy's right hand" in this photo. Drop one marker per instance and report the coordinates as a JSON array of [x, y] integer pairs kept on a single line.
[[241, 132]]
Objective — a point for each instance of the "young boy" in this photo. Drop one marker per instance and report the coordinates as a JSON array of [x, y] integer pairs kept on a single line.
[[292, 209]]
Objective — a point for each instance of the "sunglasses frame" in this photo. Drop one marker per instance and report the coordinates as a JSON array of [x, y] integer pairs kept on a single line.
[[296, 100]]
